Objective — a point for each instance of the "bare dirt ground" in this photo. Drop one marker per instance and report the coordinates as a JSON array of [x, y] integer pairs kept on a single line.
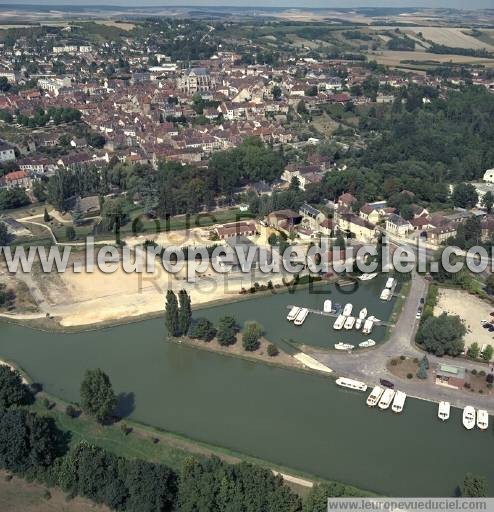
[[17, 495], [471, 310]]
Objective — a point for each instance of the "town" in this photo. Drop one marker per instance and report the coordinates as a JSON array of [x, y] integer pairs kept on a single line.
[[199, 132]]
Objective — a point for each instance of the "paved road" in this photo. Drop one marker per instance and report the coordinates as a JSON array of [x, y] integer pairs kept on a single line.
[[369, 366]]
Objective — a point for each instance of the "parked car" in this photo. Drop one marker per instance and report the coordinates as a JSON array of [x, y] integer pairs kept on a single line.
[[386, 383]]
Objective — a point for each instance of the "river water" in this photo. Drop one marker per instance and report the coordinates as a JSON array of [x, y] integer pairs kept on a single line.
[[284, 416]]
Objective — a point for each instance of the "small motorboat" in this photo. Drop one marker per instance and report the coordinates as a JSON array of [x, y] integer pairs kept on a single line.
[[443, 411], [399, 401], [367, 343], [351, 384], [363, 313], [358, 324], [386, 399], [375, 395], [482, 419], [293, 313], [349, 322], [469, 417], [328, 306], [347, 310], [343, 346]]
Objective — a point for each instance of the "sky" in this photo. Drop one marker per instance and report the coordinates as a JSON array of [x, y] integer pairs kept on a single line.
[[458, 4]]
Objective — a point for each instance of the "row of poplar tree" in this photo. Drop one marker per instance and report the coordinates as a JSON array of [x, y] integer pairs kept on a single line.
[[178, 313]]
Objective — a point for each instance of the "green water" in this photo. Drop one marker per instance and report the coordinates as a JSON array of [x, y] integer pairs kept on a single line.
[[290, 418]]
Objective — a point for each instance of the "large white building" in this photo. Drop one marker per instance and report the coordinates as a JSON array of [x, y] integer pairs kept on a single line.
[[195, 80]]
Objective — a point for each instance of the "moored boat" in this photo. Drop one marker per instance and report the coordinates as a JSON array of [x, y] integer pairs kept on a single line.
[[358, 324], [399, 401], [292, 314], [349, 322], [390, 282], [343, 346], [469, 417], [351, 384], [367, 343], [385, 294], [386, 399], [368, 324], [375, 395], [339, 322], [443, 410], [328, 306], [301, 316], [347, 310], [367, 277], [482, 419], [363, 313]]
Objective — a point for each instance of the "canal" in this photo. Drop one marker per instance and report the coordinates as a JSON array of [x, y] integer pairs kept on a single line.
[[283, 416]]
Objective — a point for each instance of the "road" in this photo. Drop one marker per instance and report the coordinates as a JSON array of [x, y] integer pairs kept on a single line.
[[370, 365]]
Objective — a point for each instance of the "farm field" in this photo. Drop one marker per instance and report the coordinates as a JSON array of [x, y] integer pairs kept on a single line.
[[450, 36], [391, 58]]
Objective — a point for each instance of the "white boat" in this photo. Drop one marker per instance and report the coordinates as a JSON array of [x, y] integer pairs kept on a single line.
[[385, 294], [339, 322], [301, 316], [358, 324], [363, 313], [349, 322], [386, 399], [367, 343], [343, 346], [367, 277], [482, 419], [373, 318], [443, 411], [399, 401], [368, 324], [390, 282], [375, 395], [347, 310], [328, 306], [351, 384], [293, 313], [469, 417]]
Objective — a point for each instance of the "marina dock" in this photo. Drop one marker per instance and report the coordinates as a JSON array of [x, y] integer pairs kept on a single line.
[[335, 314]]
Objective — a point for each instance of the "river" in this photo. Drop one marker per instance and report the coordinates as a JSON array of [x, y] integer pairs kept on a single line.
[[283, 416]]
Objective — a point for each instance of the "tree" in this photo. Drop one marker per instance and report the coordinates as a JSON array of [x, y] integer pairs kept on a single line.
[[276, 92], [4, 84], [185, 312], [46, 216], [97, 395], [5, 236], [464, 195], [210, 485], [27, 441], [487, 353], [251, 335], [488, 201], [272, 350], [294, 184], [202, 329], [473, 351], [70, 233], [473, 486], [489, 283], [12, 389], [171, 314], [422, 372], [317, 499], [227, 328], [442, 335]]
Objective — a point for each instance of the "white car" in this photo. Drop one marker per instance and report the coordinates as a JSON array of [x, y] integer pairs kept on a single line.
[[418, 315]]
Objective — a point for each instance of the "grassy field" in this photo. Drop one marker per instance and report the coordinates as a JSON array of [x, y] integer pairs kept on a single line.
[[391, 58]]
